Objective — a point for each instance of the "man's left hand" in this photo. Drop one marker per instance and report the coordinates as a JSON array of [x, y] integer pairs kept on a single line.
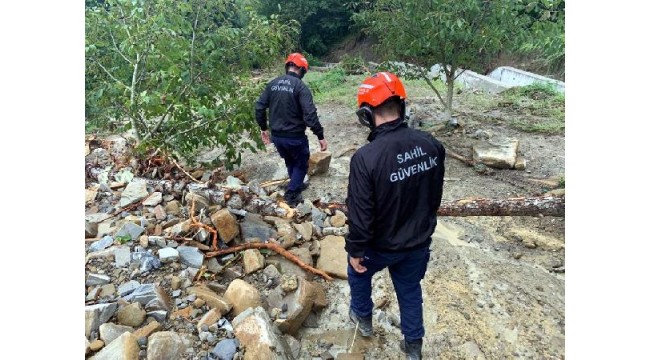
[[265, 137], [356, 264]]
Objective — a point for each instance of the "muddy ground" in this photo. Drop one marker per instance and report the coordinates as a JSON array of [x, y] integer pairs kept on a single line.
[[494, 288]]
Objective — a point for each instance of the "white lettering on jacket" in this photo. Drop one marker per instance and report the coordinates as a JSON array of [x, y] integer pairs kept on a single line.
[[405, 172]]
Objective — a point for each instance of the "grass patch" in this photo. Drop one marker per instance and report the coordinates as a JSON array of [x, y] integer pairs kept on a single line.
[[541, 107], [334, 86]]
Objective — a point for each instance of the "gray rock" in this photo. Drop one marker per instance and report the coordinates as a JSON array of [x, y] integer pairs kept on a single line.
[[191, 256], [294, 345], [176, 293], [336, 231], [168, 254], [142, 341], [158, 241], [97, 279], [153, 199], [254, 226], [101, 244], [122, 256], [93, 294], [225, 349], [152, 296], [91, 230], [134, 191], [97, 315], [235, 202], [500, 154], [303, 209], [159, 315], [127, 287], [203, 335], [214, 266], [129, 230], [146, 261], [318, 217]]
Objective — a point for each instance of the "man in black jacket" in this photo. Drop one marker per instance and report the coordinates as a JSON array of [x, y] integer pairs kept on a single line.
[[291, 111], [394, 192]]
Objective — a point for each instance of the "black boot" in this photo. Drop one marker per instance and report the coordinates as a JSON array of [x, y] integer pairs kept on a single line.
[[292, 198], [412, 349]]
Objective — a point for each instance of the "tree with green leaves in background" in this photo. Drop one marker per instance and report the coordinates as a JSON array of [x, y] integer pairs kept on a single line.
[[178, 73], [322, 22], [455, 34]]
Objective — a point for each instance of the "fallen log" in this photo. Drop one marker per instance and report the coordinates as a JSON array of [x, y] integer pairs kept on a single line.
[[522, 206], [273, 247]]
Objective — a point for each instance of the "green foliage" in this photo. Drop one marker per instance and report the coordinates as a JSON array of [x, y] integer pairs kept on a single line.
[[353, 65], [123, 239], [178, 73], [334, 86], [457, 34], [542, 105], [544, 36], [323, 22]]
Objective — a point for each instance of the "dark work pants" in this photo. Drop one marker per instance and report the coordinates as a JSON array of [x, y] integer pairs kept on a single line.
[[406, 270], [295, 152]]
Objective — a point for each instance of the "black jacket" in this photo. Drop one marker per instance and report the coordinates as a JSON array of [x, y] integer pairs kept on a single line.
[[291, 108], [394, 190]]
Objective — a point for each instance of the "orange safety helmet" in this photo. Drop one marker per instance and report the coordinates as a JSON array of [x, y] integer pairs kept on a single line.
[[374, 91], [298, 60]]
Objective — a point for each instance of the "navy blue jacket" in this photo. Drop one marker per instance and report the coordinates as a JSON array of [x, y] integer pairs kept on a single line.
[[394, 190], [291, 108]]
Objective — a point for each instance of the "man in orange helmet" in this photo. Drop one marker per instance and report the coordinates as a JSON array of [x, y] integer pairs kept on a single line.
[[394, 192], [291, 111]]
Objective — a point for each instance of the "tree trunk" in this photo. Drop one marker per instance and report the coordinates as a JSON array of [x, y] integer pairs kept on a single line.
[[134, 77], [530, 206], [450, 96]]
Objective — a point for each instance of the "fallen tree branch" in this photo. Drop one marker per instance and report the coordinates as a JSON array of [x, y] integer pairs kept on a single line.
[[523, 206], [273, 247], [185, 172], [210, 229], [457, 156]]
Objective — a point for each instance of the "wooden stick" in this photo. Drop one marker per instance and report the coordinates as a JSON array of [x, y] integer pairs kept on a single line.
[[273, 182], [200, 225], [185, 172], [273, 247]]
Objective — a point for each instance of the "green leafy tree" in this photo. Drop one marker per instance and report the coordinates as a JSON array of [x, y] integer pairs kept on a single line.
[[177, 73], [323, 22], [544, 38], [455, 34]]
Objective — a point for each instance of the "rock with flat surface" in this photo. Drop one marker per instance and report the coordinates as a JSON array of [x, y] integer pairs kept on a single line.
[[242, 295], [254, 331], [165, 345], [253, 260], [319, 162], [333, 257], [499, 154], [136, 190], [299, 305], [125, 347], [226, 225], [211, 298], [109, 331], [254, 227], [131, 315], [191, 256]]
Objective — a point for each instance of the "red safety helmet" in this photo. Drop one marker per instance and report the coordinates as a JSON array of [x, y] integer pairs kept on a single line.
[[298, 60], [378, 88], [374, 91]]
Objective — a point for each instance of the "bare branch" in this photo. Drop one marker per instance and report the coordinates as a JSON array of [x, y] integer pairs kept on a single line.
[[428, 81], [118, 49], [111, 75]]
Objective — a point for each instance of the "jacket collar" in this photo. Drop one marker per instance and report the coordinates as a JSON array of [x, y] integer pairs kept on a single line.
[[385, 128], [291, 73]]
